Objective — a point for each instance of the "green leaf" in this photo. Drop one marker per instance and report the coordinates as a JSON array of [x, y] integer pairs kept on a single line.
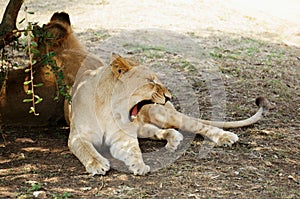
[[27, 82], [29, 92], [26, 48], [38, 85], [29, 27], [22, 21], [27, 100], [24, 40], [34, 51], [31, 110], [27, 70], [34, 44], [49, 35], [51, 54], [38, 100]]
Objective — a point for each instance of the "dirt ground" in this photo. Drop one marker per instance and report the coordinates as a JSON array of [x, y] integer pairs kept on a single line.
[[216, 57]]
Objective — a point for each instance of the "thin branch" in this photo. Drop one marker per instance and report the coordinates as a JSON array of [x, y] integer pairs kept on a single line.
[[29, 33], [8, 24]]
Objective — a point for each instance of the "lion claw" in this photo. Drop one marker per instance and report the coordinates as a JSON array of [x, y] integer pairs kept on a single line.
[[227, 139], [139, 169], [95, 167], [173, 140]]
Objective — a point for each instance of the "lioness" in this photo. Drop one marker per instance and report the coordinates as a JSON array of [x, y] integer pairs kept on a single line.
[[70, 56], [117, 104]]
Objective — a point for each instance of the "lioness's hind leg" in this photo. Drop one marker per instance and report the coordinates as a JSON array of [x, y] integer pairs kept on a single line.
[[126, 148], [172, 136], [218, 136], [169, 118], [84, 150]]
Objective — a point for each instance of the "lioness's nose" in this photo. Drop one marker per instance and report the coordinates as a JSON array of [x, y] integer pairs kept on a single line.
[[167, 98], [167, 94]]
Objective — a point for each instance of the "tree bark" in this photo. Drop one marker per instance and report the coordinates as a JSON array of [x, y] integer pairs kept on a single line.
[[8, 24]]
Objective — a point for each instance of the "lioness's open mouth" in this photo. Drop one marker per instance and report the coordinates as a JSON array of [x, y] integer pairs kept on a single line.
[[136, 108]]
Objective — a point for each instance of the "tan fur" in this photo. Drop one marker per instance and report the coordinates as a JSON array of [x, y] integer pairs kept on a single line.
[[103, 101]]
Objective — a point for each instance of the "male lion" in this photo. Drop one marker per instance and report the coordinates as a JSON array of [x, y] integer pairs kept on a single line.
[[117, 104]]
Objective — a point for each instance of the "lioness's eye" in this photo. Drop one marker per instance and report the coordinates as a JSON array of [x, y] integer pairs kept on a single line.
[[151, 80]]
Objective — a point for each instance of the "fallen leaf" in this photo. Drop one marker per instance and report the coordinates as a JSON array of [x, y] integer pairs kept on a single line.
[[293, 178], [268, 163]]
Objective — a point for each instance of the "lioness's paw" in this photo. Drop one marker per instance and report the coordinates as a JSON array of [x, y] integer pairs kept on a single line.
[[139, 168], [98, 167], [174, 138], [227, 138]]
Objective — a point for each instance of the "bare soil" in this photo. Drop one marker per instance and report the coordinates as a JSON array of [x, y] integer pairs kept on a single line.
[[227, 53]]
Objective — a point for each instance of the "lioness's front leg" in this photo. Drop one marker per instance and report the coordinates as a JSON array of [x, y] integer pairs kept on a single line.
[[151, 131], [84, 150], [125, 147], [166, 118]]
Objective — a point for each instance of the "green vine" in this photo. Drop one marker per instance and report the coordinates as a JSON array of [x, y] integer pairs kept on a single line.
[[36, 59], [34, 99]]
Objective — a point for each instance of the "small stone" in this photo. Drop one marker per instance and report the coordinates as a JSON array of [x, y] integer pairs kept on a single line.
[[85, 188], [40, 194]]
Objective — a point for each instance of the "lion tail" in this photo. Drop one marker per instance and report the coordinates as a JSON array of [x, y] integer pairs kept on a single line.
[[261, 102]]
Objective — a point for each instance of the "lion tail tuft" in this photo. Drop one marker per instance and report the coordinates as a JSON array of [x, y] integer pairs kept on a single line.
[[263, 102]]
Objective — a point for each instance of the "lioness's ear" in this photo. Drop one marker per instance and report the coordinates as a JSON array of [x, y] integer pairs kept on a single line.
[[62, 17], [119, 65], [57, 29], [56, 33], [132, 61]]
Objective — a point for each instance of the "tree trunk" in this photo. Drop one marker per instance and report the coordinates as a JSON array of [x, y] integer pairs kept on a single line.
[[8, 23]]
